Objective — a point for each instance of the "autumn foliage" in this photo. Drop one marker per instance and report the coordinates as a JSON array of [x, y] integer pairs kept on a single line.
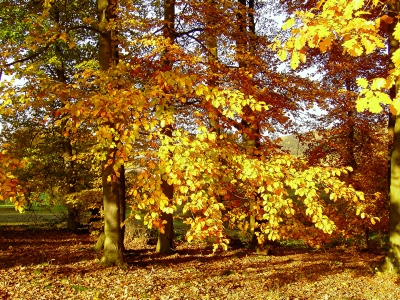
[[198, 105]]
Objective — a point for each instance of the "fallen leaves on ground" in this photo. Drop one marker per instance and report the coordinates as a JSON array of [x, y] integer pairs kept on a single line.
[[55, 264]]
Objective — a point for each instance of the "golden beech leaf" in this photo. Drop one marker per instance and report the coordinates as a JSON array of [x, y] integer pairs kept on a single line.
[[378, 83], [396, 32], [63, 36], [362, 82], [387, 19], [282, 55], [392, 109], [325, 45], [396, 58], [288, 24], [295, 61]]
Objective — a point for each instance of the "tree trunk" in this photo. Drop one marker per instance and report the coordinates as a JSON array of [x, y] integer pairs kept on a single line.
[[113, 241], [351, 158], [165, 239], [392, 260], [122, 203], [165, 243], [113, 182], [72, 219], [244, 44], [73, 211]]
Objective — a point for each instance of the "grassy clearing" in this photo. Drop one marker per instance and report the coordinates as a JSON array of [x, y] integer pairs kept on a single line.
[[35, 217]]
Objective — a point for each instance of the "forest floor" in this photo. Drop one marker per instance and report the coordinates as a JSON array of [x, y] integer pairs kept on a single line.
[[55, 264]]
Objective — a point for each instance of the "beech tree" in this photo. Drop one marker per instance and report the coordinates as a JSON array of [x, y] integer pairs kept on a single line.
[[351, 23], [194, 84], [10, 187], [342, 136]]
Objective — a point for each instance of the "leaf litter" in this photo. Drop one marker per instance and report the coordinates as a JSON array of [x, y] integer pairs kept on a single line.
[[56, 264]]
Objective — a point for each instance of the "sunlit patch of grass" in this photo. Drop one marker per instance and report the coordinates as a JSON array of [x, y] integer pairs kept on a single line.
[[298, 244], [79, 288]]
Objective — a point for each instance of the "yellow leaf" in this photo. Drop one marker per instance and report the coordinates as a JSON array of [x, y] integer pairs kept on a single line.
[[378, 83], [183, 189], [295, 61], [288, 24], [362, 82], [282, 55], [189, 238], [396, 33], [333, 197], [396, 58]]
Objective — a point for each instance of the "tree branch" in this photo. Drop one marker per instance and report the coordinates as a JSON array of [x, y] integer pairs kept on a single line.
[[29, 57], [43, 49], [179, 34]]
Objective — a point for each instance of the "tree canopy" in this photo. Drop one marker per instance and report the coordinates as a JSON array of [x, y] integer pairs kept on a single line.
[[194, 96]]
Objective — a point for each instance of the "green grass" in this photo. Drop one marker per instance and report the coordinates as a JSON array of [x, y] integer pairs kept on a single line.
[[79, 288]]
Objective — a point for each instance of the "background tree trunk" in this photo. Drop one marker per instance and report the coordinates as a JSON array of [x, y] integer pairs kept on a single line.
[[392, 260]]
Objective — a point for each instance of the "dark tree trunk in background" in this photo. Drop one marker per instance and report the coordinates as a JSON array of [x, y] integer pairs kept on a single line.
[[392, 260]]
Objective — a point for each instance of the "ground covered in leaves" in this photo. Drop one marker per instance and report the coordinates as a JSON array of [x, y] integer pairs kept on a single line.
[[55, 264]]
